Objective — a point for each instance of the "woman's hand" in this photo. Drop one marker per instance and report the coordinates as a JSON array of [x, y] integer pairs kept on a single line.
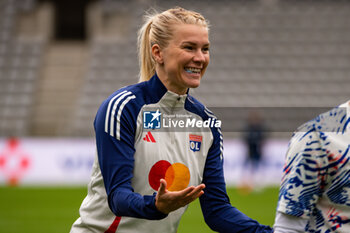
[[168, 201]]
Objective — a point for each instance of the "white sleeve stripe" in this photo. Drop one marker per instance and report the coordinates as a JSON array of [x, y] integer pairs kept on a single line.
[[210, 114], [112, 121], [109, 108], [221, 143], [120, 113], [220, 132], [208, 111]]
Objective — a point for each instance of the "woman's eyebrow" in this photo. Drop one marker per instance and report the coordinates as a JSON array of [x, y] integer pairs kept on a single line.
[[193, 43]]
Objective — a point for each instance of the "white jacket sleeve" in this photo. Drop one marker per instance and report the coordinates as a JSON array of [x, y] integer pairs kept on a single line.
[[285, 223]]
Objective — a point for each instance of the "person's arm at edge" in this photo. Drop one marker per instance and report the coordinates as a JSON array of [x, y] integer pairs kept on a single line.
[[292, 214], [285, 223]]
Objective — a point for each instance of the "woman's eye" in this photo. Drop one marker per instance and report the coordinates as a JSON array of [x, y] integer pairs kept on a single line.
[[189, 47], [205, 49]]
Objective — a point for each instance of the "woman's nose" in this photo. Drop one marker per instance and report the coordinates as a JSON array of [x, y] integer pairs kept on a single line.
[[199, 56]]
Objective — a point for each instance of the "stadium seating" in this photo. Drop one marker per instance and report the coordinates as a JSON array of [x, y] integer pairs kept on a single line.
[[19, 65], [264, 54]]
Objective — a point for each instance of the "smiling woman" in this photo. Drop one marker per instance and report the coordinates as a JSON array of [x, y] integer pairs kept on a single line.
[[182, 64], [137, 155]]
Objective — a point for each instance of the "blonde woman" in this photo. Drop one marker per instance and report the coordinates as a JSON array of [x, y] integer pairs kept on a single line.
[[146, 168]]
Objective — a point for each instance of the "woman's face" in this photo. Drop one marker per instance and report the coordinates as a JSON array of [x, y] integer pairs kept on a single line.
[[182, 64]]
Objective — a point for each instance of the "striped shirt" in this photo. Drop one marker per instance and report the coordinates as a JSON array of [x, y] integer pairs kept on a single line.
[[316, 180]]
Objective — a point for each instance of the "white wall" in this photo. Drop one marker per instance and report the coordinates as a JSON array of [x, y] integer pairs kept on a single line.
[[68, 161]]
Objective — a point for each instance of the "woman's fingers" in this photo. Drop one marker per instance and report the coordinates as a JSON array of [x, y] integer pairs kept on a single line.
[[194, 194], [197, 189], [189, 194], [167, 201]]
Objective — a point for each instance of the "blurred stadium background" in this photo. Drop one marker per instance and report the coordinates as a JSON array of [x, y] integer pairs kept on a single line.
[[60, 59]]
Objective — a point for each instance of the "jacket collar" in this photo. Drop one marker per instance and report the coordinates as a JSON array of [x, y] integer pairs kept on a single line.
[[167, 98]]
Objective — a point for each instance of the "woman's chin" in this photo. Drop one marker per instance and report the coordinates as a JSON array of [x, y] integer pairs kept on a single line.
[[195, 85], [193, 81]]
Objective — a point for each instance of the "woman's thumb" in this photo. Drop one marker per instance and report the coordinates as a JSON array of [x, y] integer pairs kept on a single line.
[[162, 186]]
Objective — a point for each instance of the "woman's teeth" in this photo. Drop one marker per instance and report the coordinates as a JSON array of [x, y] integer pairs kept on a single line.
[[192, 70]]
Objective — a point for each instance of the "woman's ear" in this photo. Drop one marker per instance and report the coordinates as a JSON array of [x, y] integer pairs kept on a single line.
[[157, 54]]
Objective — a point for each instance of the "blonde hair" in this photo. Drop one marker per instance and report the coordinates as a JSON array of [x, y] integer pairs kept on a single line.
[[158, 29]]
